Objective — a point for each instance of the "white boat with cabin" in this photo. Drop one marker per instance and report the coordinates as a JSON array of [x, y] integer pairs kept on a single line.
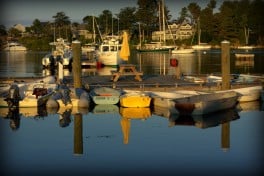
[[108, 53], [62, 53], [15, 46]]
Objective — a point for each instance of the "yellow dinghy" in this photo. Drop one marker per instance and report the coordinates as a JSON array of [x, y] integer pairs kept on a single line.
[[134, 100]]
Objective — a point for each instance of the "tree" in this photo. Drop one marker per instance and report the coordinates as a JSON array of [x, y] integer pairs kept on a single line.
[[183, 15], [14, 33], [105, 22], [37, 27], [195, 11], [127, 18], [256, 22], [3, 31], [147, 16], [89, 21], [207, 22], [62, 21]]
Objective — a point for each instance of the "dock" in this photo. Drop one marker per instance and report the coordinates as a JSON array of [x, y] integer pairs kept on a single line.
[[148, 83]]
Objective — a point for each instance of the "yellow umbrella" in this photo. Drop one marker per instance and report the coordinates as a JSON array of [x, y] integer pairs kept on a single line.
[[125, 52]]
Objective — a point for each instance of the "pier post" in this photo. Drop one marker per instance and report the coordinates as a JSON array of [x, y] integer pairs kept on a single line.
[[60, 72], [78, 134], [225, 64], [77, 77]]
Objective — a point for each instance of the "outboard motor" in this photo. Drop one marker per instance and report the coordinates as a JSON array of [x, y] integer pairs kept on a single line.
[[65, 92], [52, 62], [13, 97], [59, 58]]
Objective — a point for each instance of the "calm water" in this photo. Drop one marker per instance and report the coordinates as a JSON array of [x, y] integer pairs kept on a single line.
[[24, 64], [102, 142]]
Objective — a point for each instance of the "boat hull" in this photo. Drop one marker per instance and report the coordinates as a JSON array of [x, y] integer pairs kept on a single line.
[[132, 101], [109, 58], [182, 51], [206, 103], [32, 101], [105, 95]]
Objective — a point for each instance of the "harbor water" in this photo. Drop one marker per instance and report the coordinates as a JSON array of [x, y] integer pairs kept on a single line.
[[101, 141]]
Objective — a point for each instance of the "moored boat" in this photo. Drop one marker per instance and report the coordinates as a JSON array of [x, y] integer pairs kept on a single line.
[[105, 95], [64, 97], [247, 94], [202, 47], [206, 103], [108, 53], [182, 51], [166, 99], [15, 46], [62, 53], [31, 94], [136, 99]]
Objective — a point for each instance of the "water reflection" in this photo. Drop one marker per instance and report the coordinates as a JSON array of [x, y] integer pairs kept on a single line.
[[105, 109], [249, 106], [65, 118], [205, 121], [27, 64], [14, 117], [187, 62], [78, 134], [222, 118], [74, 116], [129, 114]]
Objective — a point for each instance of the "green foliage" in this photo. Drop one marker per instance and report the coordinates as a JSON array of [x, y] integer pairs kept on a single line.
[[235, 21], [36, 43]]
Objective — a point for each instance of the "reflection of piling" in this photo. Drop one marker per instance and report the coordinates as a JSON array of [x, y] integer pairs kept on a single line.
[[78, 130], [225, 62], [76, 48], [225, 136]]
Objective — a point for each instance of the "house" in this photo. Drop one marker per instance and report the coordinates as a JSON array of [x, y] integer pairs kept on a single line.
[[20, 27], [82, 31], [175, 32]]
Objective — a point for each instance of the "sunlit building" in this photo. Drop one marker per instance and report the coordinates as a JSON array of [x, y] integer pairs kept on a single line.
[[175, 32]]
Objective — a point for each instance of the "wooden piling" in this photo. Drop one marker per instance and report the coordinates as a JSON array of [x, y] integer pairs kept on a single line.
[[60, 72], [225, 64], [76, 65]]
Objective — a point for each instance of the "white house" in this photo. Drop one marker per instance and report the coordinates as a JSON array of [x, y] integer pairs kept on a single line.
[[175, 32]]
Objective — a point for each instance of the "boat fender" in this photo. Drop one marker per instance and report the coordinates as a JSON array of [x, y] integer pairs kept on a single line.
[[174, 62]]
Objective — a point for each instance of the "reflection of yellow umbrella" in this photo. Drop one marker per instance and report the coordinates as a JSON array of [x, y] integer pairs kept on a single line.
[[125, 52], [125, 124]]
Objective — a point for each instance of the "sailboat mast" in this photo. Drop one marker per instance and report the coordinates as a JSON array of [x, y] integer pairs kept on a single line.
[[93, 31], [199, 31], [163, 22]]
